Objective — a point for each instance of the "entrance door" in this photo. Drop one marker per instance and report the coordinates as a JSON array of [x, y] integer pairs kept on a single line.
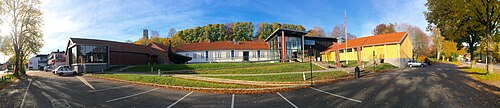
[[245, 56]]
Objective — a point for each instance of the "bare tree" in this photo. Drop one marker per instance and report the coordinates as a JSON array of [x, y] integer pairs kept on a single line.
[[25, 37], [171, 32]]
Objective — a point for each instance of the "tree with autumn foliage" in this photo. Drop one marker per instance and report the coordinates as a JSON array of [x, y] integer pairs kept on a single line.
[[437, 41], [384, 29], [419, 39], [450, 51], [316, 31], [467, 20]]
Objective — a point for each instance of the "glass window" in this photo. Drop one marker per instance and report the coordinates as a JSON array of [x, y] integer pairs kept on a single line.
[[194, 55], [93, 54], [73, 55]]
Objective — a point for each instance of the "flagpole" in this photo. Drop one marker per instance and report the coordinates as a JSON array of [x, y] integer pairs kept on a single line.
[[345, 33]]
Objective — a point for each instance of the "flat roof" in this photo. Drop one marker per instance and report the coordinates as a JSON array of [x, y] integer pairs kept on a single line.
[[291, 32], [288, 32]]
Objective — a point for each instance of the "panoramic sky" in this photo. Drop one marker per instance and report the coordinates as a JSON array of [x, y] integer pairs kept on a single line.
[[120, 20]]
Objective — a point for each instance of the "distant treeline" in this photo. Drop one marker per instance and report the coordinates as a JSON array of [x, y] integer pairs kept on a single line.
[[239, 31]]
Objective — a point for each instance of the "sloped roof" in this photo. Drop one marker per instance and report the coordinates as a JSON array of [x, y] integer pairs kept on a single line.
[[114, 46], [381, 39], [224, 45]]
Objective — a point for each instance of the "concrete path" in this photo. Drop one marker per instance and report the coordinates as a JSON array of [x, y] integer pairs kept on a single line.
[[230, 81]]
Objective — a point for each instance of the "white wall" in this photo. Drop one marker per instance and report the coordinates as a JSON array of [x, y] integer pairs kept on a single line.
[[225, 55]]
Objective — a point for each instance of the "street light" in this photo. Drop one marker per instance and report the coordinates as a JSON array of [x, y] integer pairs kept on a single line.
[[310, 63]]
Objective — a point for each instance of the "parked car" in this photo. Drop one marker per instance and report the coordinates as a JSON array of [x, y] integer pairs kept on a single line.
[[47, 69], [413, 63], [64, 69]]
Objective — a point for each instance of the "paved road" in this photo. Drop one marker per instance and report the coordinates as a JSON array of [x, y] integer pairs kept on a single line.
[[439, 85]]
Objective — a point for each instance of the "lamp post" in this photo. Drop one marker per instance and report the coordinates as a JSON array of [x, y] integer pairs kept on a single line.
[[310, 64]]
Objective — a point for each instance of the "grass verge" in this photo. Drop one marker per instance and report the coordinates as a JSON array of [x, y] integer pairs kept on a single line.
[[171, 81], [284, 67], [288, 77], [198, 66], [6, 80], [352, 63], [381, 67], [480, 73]]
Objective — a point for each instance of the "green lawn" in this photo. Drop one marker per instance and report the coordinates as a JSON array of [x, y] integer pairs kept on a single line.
[[287, 77], [480, 74], [172, 81], [352, 63], [7, 79], [197, 66], [381, 67], [283, 67]]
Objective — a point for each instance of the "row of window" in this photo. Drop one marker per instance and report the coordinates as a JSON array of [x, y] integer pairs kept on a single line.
[[350, 50], [89, 54], [227, 54]]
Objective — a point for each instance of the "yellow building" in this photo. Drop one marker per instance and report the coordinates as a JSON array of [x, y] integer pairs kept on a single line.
[[393, 48]]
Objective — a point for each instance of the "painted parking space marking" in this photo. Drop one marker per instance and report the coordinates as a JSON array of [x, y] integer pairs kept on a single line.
[[28, 88], [85, 82], [286, 100], [336, 95], [232, 102], [111, 88], [132, 95], [179, 99]]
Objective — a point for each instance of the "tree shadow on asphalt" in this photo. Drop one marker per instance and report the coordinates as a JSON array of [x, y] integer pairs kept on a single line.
[[433, 86]]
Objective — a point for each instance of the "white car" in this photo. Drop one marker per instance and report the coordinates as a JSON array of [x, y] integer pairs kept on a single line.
[[412, 63], [64, 69]]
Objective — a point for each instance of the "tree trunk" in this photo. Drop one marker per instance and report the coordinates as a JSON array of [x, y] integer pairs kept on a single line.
[[489, 58], [438, 54], [471, 51]]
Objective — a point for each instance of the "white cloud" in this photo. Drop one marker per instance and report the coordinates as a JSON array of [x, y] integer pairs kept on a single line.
[[111, 20], [397, 11]]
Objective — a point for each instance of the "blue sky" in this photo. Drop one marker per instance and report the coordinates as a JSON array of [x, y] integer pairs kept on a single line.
[[121, 20]]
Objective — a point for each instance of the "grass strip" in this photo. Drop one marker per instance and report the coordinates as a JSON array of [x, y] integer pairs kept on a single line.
[[288, 77], [6, 80], [481, 74], [171, 81], [381, 67], [286, 67], [197, 66]]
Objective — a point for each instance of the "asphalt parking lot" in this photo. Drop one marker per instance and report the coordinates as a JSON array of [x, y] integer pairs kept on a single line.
[[435, 86]]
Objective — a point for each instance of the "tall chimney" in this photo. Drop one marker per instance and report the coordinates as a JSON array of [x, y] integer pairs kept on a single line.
[[145, 34]]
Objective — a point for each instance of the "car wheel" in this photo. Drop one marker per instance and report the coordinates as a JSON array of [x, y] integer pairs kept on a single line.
[[421, 65], [61, 74], [411, 66], [74, 73]]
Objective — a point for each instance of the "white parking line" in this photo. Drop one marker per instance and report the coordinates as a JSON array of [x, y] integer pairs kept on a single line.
[[286, 100], [85, 82], [232, 102], [336, 95], [29, 84], [132, 95], [180, 99], [112, 88]]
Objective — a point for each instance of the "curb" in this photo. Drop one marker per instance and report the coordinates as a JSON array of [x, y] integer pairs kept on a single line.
[[214, 90]]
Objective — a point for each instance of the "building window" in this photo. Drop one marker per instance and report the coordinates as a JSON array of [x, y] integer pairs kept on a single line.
[[73, 57], [194, 55], [206, 54], [258, 53], [232, 53], [349, 50], [93, 54], [202, 55], [341, 51], [254, 54], [228, 54]]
